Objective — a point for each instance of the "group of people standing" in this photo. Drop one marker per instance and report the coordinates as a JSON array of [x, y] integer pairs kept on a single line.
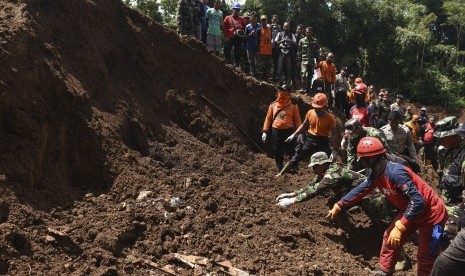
[[262, 48]]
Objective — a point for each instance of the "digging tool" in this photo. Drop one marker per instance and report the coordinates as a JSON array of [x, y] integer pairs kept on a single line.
[[257, 147]]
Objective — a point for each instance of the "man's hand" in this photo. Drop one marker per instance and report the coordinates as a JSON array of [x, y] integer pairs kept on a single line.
[[333, 155], [289, 139], [285, 195], [264, 137], [285, 202], [333, 212], [396, 234]]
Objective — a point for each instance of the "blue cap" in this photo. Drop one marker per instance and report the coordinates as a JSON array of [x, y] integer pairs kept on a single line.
[[236, 6]]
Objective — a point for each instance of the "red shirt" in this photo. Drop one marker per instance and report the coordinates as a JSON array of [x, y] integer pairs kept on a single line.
[[406, 191], [230, 24], [361, 114], [429, 131]]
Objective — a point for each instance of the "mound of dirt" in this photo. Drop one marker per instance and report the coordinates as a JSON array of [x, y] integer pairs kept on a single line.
[[123, 144]]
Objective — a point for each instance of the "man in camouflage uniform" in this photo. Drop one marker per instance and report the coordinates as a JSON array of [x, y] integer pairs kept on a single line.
[[185, 17], [400, 139], [307, 52], [450, 136], [354, 132], [330, 175], [383, 109]]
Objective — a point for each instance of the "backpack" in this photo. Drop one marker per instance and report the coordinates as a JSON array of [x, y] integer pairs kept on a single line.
[[452, 182]]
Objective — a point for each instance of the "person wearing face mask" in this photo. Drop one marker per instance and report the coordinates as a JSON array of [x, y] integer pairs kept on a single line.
[[281, 119], [320, 125], [451, 136], [420, 208]]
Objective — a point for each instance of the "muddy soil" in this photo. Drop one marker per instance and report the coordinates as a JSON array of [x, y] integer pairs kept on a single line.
[[99, 104]]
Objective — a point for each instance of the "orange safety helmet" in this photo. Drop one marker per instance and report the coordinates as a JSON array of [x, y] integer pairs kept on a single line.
[[370, 146], [319, 100], [361, 88]]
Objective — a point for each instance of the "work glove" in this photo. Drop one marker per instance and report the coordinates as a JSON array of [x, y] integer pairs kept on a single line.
[[396, 234], [289, 139], [285, 195], [264, 137], [333, 155], [333, 212], [285, 202]]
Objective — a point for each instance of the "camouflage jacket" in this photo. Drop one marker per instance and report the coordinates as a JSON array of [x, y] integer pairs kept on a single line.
[[307, 50], [453, 173], [353, 142], [383, 111], [336, 177]]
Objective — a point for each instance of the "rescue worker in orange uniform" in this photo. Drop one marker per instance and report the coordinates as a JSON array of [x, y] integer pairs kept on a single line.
[[320, 124], [282, 119]]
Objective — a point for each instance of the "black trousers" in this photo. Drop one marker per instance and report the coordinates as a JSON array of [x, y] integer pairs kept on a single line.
[[309, 146], [279, 136], [236, 43], [285, 62], [275, 57], [452, 260], [341, 101]]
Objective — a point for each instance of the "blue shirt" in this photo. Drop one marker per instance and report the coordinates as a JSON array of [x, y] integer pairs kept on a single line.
[[252, 42]]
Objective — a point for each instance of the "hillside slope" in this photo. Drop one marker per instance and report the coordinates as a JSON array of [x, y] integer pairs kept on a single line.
[[98, 104]]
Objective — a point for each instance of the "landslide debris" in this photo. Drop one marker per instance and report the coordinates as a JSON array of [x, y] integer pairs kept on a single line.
[[99, 104]]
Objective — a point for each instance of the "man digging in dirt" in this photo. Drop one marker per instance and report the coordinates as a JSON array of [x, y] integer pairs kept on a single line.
[[333, 176], [319, 123], [282, 119], [340, 180], [422, 209]]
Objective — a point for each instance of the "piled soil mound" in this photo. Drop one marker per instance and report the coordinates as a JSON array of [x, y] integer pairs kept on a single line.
[[99, 104]]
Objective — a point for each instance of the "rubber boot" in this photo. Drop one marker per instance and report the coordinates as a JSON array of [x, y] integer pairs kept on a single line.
[[403, 262], [379, 272]]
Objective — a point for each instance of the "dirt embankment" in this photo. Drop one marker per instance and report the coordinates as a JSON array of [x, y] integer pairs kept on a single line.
[[99, 104]]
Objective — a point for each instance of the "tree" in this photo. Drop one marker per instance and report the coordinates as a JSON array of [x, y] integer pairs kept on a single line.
[[455, 10], [169, 8], [149, 8]]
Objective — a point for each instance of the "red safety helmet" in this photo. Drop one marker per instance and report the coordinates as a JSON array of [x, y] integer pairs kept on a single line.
[[370, 146], [361, 88], [319, 100], [358, 80]]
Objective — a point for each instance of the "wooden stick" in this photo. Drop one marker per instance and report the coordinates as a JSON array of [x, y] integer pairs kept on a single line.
[[232, 121]]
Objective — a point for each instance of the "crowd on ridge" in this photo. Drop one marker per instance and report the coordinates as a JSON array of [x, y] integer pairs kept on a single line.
[[384, 142]]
